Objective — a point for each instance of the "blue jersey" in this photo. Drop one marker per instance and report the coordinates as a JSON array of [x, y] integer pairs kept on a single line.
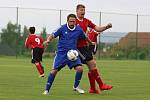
[[68, 37]]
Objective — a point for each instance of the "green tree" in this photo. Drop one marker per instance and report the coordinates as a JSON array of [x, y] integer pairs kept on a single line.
[[9, 37], [24, 36], [44, 34]]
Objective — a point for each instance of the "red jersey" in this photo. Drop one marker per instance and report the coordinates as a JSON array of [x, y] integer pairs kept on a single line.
[[93, 36], [84, 24], [34, 41]]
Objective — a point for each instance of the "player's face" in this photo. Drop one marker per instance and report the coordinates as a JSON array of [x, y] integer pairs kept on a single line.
[[71, 22], [80, 12]]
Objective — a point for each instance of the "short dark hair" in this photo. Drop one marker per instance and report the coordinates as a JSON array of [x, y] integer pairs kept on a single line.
[[80, 6], [32, 30], [71, 15]]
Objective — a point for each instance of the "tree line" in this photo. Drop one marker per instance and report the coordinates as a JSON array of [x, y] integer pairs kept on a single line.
[[12, 40]]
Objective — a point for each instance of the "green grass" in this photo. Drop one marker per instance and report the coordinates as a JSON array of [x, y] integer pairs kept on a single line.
[[19, 81]]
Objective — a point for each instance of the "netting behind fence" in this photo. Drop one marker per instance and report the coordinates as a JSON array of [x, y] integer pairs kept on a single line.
[[128, 39]]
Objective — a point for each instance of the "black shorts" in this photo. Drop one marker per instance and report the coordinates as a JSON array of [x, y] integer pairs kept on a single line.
[[85, 54], [93, 48], [37, 55]]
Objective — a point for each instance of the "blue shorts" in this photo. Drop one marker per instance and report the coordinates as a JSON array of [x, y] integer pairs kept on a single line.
[[61, 60]]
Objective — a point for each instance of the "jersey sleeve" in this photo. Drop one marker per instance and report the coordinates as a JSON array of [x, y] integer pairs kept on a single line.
[[91, 24], [56, 32]]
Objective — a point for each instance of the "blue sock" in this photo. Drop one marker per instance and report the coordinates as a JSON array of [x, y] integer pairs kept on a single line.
[[77, 79], [50, 80]]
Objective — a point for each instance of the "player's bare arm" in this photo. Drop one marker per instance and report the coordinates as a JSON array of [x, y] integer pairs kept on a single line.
[[50, 38], [102, 28]]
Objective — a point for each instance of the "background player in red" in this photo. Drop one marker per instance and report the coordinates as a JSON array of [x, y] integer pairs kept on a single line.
[[85, 53], [93, 37], [36, 44]]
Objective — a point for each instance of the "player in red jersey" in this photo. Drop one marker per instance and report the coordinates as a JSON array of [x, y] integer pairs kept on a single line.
[[93, 37], [36, 44], [85, 53]]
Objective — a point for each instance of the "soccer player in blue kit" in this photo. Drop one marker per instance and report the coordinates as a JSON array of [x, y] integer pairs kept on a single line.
[[68, 35]]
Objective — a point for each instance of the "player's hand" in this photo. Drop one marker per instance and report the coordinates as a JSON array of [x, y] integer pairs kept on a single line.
[[109, 25], [45, 43]]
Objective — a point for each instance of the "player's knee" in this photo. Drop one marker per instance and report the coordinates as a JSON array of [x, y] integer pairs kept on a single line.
[[92, 64], [54, 71], [36, 63], [79, 69]]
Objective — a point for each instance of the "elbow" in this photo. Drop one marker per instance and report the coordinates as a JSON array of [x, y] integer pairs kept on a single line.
[[98, 29]]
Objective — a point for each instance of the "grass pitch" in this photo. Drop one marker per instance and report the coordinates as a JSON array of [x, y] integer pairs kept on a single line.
[[19, 81]]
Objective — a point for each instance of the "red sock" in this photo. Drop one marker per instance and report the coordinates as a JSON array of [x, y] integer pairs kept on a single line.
[[42, 67], [97, 77], [92, 81], [39, 68]]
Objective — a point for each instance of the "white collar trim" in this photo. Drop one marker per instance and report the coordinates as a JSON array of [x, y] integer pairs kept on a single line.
[[70, 28]]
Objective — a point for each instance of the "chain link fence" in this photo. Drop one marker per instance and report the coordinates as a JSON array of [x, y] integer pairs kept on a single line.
[[129, 37]]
